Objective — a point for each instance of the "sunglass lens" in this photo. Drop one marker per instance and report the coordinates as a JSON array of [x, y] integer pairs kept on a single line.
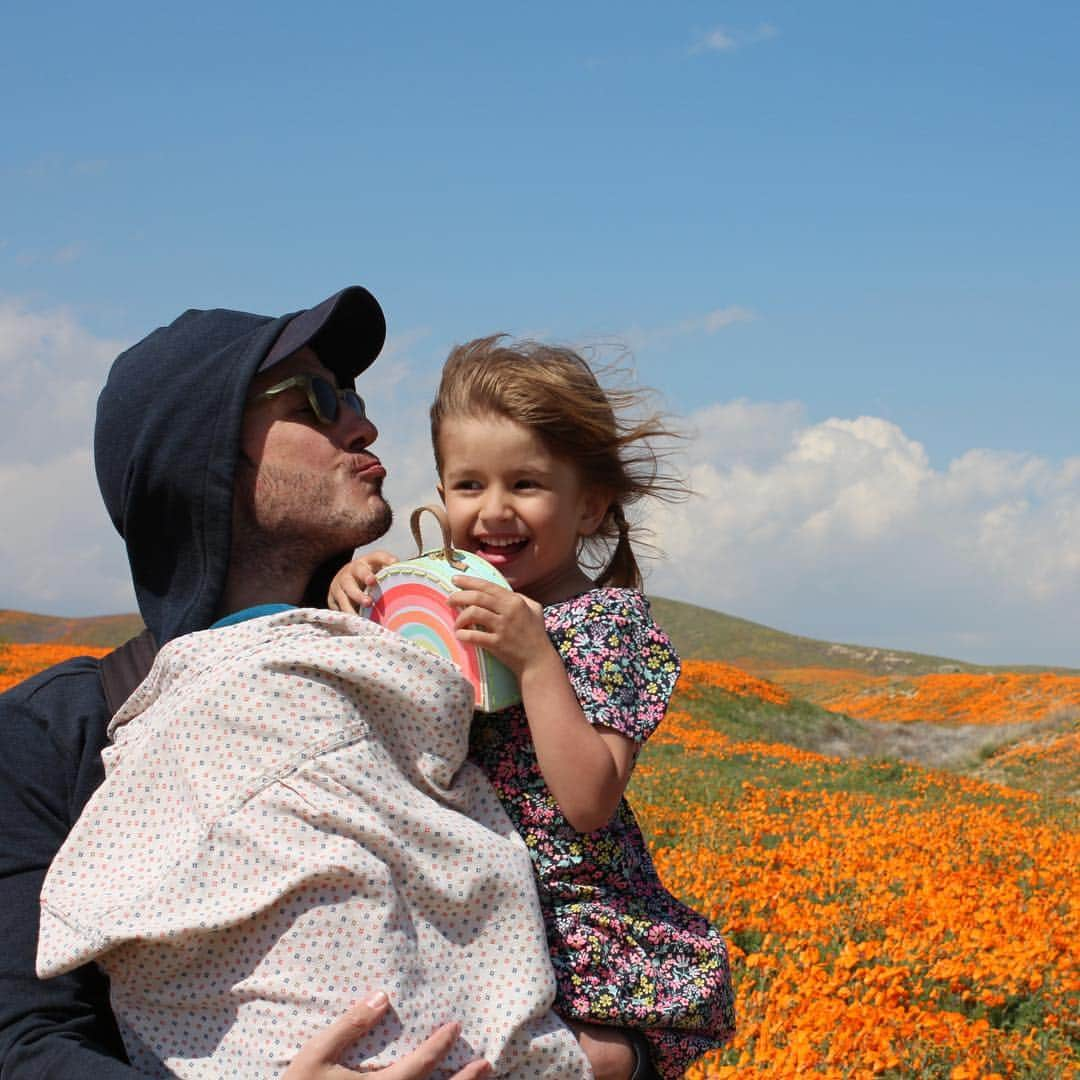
[[326, 400], [355, 402]]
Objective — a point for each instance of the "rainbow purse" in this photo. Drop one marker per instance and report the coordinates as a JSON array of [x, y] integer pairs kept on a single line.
[[410, 599]]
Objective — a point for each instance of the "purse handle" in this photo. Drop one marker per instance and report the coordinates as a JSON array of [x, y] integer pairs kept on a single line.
[[448, 553]]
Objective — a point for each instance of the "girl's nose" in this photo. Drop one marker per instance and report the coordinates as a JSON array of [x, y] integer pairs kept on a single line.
[[495, 506]]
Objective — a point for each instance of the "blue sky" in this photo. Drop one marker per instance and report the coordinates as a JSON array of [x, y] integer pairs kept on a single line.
[[840, 238]]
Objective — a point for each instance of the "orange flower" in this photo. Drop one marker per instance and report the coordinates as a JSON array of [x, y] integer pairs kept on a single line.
[[926, 934], [966, 698], [18, 662], [732, 679], [931, 933]]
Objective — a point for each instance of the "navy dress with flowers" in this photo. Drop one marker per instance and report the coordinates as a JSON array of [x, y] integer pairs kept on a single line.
[[625, 951]]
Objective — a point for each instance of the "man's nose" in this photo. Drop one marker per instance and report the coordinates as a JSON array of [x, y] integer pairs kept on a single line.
[[356, 432]]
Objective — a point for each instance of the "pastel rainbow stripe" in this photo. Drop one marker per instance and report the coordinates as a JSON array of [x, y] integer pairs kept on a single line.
[[411, 599], [412, 606]]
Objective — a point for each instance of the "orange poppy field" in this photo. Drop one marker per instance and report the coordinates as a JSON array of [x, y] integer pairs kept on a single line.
[[17, 662], [960, 697], [885, 920]]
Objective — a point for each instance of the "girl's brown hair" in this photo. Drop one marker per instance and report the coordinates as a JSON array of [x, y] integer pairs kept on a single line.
[[552, 391]]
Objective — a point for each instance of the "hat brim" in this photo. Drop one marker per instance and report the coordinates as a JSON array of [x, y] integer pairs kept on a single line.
[[347, 331]]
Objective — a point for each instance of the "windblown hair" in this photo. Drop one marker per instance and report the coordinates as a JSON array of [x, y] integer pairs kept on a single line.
[[552, 391]]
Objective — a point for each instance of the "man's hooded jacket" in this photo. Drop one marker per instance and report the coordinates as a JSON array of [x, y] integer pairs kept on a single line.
[[166, 440]]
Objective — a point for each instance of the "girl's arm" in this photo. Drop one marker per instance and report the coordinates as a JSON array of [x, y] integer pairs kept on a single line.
[[349, 589], [586, 767]]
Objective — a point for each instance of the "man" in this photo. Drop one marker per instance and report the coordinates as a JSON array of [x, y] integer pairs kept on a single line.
[[235, 476], [234, 460]]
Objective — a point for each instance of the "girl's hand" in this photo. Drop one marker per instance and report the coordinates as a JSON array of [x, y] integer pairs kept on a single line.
[[349, 589], [510, 626], [319, 1058], [586, 767]]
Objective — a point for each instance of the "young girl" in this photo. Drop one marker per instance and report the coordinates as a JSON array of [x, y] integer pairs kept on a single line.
[[535, 469]]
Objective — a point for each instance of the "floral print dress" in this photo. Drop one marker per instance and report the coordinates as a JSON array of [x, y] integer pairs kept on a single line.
[[625, 951]]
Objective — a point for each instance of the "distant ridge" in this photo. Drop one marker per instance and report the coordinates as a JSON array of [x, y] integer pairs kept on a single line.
[[703, 634], [699, 634], [25, 628]]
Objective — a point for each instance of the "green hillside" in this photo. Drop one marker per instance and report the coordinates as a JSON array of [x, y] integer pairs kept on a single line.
[[702, 634], [25, 628], [710, 635], [699, 634]]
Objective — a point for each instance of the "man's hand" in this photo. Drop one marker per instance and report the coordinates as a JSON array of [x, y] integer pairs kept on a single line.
[[319, 1058], [349, 589]]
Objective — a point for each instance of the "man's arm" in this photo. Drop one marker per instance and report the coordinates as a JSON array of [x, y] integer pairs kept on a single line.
[[51, 732]]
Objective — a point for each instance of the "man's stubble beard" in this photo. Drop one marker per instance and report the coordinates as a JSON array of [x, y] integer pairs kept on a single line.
[[297, 524]]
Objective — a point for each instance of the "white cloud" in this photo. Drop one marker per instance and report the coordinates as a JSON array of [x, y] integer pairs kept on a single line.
[[716, 40], [710, 323], [723, 39], [58, 551], [839, 529], [61, 256], [718, 319], [844, 529], [53, 369], [744, 432]]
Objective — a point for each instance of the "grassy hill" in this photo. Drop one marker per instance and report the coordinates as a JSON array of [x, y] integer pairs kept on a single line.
[[702, 634], [25, 628], [699, 634]]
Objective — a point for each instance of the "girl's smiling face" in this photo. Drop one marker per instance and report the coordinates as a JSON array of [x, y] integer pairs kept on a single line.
[[515, 504]]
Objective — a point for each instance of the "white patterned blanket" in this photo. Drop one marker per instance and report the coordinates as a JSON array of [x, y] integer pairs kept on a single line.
[[289, 822]]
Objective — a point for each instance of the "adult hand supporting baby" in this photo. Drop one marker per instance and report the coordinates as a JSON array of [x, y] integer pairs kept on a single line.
[[320, 1057]]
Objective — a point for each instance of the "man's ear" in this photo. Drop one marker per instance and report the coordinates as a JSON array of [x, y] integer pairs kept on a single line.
[[594, 506]]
